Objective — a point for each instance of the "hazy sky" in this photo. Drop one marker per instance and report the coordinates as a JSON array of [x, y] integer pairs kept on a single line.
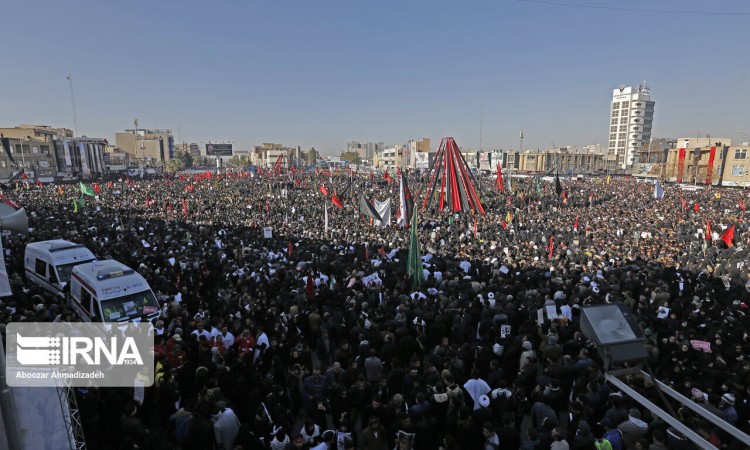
[[323, 72]]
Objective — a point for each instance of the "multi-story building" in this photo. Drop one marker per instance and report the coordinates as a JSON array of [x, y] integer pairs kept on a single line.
[[564, 160], [392, 158], [47, 154], [731, 164], [630, 122], [149, 147], [414, 151], [267, 154], [365, 150]]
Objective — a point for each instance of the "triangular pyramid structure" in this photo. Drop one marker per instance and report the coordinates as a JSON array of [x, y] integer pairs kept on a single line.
[[452, 180]]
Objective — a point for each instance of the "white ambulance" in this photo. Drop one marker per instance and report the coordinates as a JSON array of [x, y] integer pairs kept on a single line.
[[109, 291], [49, 264]]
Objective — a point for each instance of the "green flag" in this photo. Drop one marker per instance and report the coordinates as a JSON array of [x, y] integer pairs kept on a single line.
[[538, 185], [414, 265], [75, 205], [86, 190]]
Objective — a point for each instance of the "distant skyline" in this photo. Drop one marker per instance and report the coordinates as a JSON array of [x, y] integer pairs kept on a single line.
[[321, 74]]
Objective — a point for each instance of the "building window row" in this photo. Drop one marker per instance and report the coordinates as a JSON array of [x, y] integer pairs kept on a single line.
[[740, 153]]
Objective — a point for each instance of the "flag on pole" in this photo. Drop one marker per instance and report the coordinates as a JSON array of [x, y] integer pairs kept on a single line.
[[551, 247], [658, 190], [558, 186], [184, 207], [696, 207], [499, 181], [367, 209], [325, 220], [86, 190], [414, 266], [407, 203], [608, 179], [75, 205], [708, 231], [728, 236], [336, 201], [575, 225]]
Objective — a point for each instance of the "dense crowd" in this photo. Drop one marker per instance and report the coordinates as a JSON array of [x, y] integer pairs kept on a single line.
[[313, 338]]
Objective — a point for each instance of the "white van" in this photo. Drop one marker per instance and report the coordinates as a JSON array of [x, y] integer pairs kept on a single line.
[[48, 264], [109, 291]]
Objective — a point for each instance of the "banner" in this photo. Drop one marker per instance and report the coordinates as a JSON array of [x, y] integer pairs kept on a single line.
[[701, 345], [4, 283], [384, 209], [66, 147], [681, 165], [84, 159], [710, 168]]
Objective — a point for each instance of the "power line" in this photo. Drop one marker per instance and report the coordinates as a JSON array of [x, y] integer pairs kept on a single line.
[[622, 8]]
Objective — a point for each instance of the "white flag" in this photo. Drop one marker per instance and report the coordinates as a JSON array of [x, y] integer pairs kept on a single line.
[[326, 219]]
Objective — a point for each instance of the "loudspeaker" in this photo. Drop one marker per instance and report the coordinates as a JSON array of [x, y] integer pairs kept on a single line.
[[17, 222]]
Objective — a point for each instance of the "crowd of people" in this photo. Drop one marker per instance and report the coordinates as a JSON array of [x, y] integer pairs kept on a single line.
[[290, 323]]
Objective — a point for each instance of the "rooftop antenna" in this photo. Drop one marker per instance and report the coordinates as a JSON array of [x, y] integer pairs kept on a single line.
[[73, 103]]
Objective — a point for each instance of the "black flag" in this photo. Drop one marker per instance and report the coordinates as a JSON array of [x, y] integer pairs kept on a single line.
[[558, 186], [367, 209], [6, 147]]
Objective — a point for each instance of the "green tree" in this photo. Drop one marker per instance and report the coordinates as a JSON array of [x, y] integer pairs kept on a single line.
[[187, 159], [352, 157], [312, 156], [175, 165]]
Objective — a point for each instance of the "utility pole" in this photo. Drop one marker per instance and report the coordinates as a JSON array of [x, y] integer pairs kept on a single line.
[[73, 103]]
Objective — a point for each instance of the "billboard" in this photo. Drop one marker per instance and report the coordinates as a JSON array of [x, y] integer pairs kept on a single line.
[[219, 149]]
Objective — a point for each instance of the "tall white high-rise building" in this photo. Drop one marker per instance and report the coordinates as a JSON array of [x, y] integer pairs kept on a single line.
[[631, 118]]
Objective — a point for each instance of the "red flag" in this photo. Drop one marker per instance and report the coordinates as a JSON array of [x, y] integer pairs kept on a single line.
[[289, 249], [39, 183], [742, 205], [109, 184], [309, 289], [504, 224], [387, 176], [184, 207], [708, 231], [381, 252], [169, 207], [684, 203], [323, 190], [182, 178], [696, 207], [551, 246], [575, 225], [728, 236], [24, 176], [298, 182], [207, 174], [499, 181], [336, 201], [97, 188]]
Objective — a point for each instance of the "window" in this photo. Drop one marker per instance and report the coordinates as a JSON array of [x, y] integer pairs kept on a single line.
[[613, 129], [44, 149], [615, 113], [613, 122], [40, 267], [612, 136], [740, 153], [616, 105], [35, 150], [738, 171], [623, 127], [625, 104], [621, 136], [624, 120]]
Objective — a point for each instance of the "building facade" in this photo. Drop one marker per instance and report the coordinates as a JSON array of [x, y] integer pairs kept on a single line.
[[147, 147], [731, 163], [630, 123], [267, 154], [48, 154], [365, 150]]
